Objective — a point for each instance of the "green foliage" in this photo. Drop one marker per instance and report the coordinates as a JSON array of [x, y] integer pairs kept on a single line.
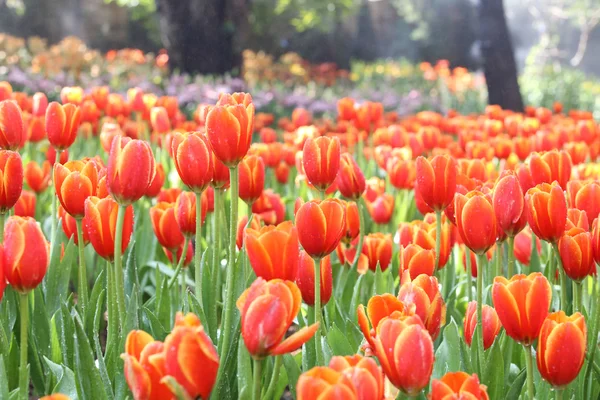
[[314, 14]]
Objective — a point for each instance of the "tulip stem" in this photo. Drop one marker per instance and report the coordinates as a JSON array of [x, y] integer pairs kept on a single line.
[[361, 234], [258, 364], [198, 250], [577, 292], [227, 325], [119, 279], [317, 307], [216, 263], [112, 307], [83, 289], [438, 240], [54, 205], [481, 263], [558, 394], [499, 266], [529, 359], [23, 368], [511, 257], [179, 263], [274, 378], [469, 274], [2, 221], [593, 345], [563, 278]]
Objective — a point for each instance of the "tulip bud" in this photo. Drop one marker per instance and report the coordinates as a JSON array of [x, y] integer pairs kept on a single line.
[[159, 120], [185, 212], [11, 179], [11, 125], [378, 249], [321, 225], [130, 169], [165, 225], [476, 221], [458, 385], [273, 251], [252, 178], [402, 173], [491, 324], [305, 278], [509, 205], [100, 218], [321, 161], [546, 209], [350, 178], [417, 261], [551, 166], [423, 292], [25, 206], [575, 249], [62, 123], [74, 182], [36, 177], [192, 158], [382, 208], [436, 181], [157, 183]]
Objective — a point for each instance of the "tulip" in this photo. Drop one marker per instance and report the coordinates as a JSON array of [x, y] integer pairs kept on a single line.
[[11, 125], [491, 324], [36, 177], [62, 123], [379, 307], [101, 217], [587, 199], [71, 94], [255, 224], [252, 178], [157, 182], [69, 226], [269, 207], [381, 208], [423, 293], [350, 178], [165, 225], [364, 373], [220, 178], [305, 279], [51, 156], [523, 246], [159, 120], [130, 169], [11, 177], [282, 173], [378, 249], [417, 261], [458, 385], [402, 173], [173, 257], [229, 126], [25, 206], [185, 212], [577, 219], [352, 222], [509, 205], [321, 161], [436, 181], [546, 211], [551, 166], [561, 348], [39, 104], [193, 160], [321, 225], [575, 249], [74, 182], [273, 251], [324, 383], [476, 221], [267, 309]]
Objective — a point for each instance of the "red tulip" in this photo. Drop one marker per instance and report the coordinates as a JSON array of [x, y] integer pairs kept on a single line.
[[350, 179], [546, 211], [62, 123], [305, 278], [273, 251], [575, 249], [252, 178], [74, 182], [551, 166], [321, 161], [491, 324], [130, 169], [185, 212], [476, 221], [25, 206], [193, 160], [321, 225], [11, 125], [101, 218], [509, 205], [11, 179], [165, 225], [436, 181]]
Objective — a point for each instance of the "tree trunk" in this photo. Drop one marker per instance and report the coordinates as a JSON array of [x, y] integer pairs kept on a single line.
[[198, 35], [498, 57]]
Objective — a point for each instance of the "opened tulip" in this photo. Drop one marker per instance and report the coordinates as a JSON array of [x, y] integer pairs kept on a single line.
[[350, 178], [185, 212], [74, 182], [364, 373], [423, 292], [522, 304], [321, 225], [491, 324], [379, 307], [546, 209], [273, 251], [577, 219], [378, 249], [551, 166], [324, 383], [101, 222], [165, 225], [321, 161], [229, 126], [436, 181], [255, 224], [130, 169], [458, 385], [36, 177], [561, 348], [252, 178], [305, 278], [417, 261], [267, 311], [62, 123], [509, 205], [192, 157], [11, 179], [25, 206], [476, 221], [11, 125]]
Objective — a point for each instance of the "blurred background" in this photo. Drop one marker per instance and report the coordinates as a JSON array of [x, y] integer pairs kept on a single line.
[[550, 47]]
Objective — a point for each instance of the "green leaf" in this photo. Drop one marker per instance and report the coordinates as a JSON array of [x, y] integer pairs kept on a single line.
[[88, 379], [447, 356], [98, 349], [196, 309], [66, 332], [4, 389], [159, 332], [57, 277], [163, 307], [493, 376], [338, 342], [65, 379], [55, 349], [515, 389], [93, 304], [535, 264], [40, 325], [380, 281], [292, 368], [244, 372]]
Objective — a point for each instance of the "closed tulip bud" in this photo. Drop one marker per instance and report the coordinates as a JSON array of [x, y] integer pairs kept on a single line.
[[402, 173], [423, 292], [185, 212], [575, 249], [252, 178], [62, 123], [157, 183], [382, 208], [458, 385], [74, 182], [378, 249], [282, 173], [561, 348], [229, 126], [491, 324], [101, 223], [159, 120], [267, 309], [165, 225], [321, 225], [546, 209], [25, 206], [25, 254], [11, 179], [476, 221], [321, 161], [417, 261], [522, 304], [436, 181], [11, 125], [273, 251], [39, 104], [577, 219], [350, 179], [523, 245], [190, 357], [192, 158], [36, 177], [364, 373], [130, 169], [586, 198], [352, 222], [509, 205], [305, 279], [551, 166], [324, 383]]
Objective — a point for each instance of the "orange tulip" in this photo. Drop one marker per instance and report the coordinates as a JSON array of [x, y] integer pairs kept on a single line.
[[378, 308], [491, 324], [546, 211], [476, 221], [11, 179], [11, 125], [381, 208], [436, 181], [267, 311], [229, 126], [36, 177], [324, 383], [252, 178], [273, 251], [25, 254], [423, 293], [458, 385], [551, 166], [352, 222], [402, 173], [575, 249], [25, 206], [220, 178], [586, 197], [74, 182], [523, 244], [282, 172], [159, 120], [101, 218], [346, 109], [577, 219], [417, 261], [561, 348], [522, 304], [185, 212], [157, 182], [69, 226], [378, 249], [509, 205], [269, 207], [165, 225], [321, 225], [321, 161], [130, 169], [305, 278], [350, 178], [62, 123], [364, 373], [241, 228], [192, 157]]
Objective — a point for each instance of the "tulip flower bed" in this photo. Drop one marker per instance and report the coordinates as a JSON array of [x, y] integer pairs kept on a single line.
[[149, 256]]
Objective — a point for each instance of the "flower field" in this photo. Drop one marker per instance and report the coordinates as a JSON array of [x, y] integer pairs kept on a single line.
[[233, 246]]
